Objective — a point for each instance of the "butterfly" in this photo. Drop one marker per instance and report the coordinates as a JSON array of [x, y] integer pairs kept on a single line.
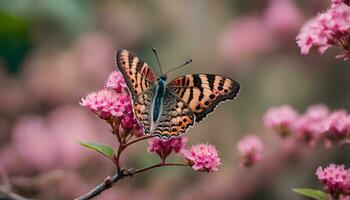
[[168, 109]]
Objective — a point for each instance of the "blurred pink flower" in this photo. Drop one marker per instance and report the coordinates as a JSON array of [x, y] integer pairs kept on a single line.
[[164, 147], [239, 43], [338, 127], [203, 157], [106, 103], [50, 143], [330, 28], [335, 178], [116, 82], [281, 119], [250, 150], [311, 126], [338, 2], [344, 197], [283, 17]]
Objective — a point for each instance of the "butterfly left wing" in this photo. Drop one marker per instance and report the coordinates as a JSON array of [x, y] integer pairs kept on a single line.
[[203, 92], [137, 74], [175, 119]]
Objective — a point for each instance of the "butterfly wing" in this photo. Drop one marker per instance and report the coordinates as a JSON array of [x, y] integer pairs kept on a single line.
[[142, 109], [203, 92], [176, 117], [137, 74]]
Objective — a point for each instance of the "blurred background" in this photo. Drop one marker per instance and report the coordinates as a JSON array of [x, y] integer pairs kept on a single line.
[[52, 53]]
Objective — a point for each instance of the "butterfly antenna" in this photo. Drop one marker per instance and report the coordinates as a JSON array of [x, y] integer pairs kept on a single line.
[[155, 53], [186, 63]]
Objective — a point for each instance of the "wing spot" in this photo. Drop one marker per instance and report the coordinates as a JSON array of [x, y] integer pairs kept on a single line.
[[185, 120], [206, 103], [221, 84], [226, 90], [182, 127], [220, 88], [124, 62], [212, 96], [173, 129], [198, 107], [132, 80], [130, 73], [180, 123]]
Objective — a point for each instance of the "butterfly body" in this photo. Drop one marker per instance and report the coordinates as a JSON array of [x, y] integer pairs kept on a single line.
[[169, 109]]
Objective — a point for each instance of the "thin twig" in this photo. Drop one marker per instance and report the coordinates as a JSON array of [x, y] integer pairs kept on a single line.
[[158, 165], [10, 195], [110, 181], [140, 139]]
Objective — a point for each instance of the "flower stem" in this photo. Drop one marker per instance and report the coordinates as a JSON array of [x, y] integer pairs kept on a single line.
[[110, 181], [140, 139], [158, 165]]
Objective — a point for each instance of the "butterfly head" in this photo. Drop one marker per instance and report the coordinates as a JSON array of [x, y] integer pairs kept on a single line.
[[163, 77]]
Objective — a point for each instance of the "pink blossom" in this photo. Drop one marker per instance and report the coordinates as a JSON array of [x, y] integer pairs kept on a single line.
[[335, 178], [311, 126], [250, 149], [203, 157], [281, 119], [338, 125], [344, 197], [50, 142], [282, 17], [106, 103], [338, 2], [330, 28], [164, 147], [239, 42], [116, 82]]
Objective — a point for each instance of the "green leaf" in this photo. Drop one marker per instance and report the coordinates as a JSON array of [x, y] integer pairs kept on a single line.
[[101, 148], [315, 194]]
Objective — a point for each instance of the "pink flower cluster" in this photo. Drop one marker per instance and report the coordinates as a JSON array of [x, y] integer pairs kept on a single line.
[[281, 118], [336, 180], [201, 157], [164, 147], [116, 82], [113, 102], [250, 150], [329, 28], [316, 124]]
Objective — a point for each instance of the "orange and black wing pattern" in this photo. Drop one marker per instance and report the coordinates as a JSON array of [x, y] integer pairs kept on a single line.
[[137, 74], [203, 92]]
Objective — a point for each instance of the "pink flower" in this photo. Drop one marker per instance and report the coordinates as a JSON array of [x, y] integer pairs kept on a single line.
[[330, 28], [164, 147], [344, 197], [338, 2], [106, 103], [250, 150], [203, 157], [335, 178], [311, 126], [239, 42], [338, 125], [116, 82], [281, 119], [282, 17]]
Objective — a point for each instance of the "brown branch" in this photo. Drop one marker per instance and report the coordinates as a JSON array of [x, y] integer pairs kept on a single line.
[[140, 139], [10, 195], [110, 181]]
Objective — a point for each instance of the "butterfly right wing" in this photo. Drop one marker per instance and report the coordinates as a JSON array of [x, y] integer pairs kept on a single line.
[[176, 117], [137, 74]]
